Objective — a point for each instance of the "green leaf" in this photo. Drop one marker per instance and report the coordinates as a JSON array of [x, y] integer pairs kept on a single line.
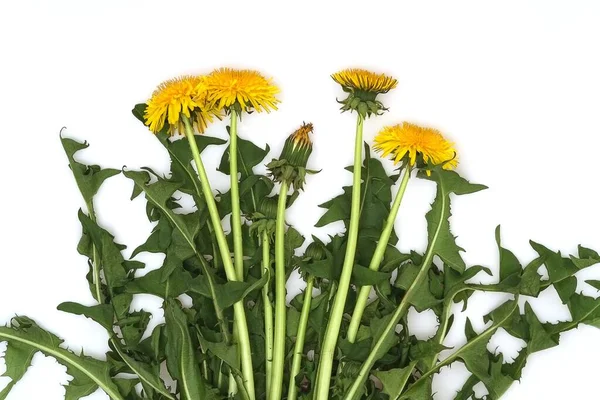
[[116, 273], [422, 297], [18, 358], [467, 392], [87, 372], [509, 264], [594, 283], [363, 276], [475, 354], [539, 337], [394, 380], [144, 372], [185, 227], [587, 257], [228, 293], [100, 313], [583, 310], [223, 351], [181, 356], [152, 283], [249, 156], [438, 225], [377, 327], [421, 390], [89, 178], [181, 156]]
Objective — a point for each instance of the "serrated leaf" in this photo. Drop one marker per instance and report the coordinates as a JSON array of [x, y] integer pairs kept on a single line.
[[152, 283], [509, 264], [87, 372], [89, 178], [228, 293], [394, 380], [115, 271], [18, 358], [181, 356], [438, 226], [145, 373], [249, 156], [362, 276], [100, 313]]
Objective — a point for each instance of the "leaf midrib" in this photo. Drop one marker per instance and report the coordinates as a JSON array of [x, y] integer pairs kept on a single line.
[[57, 354], [184, 381]]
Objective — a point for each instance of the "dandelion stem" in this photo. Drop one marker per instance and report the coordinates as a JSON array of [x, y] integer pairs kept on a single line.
[[236, 215], [95, 258], [300, 336], [337, 310], [268, 311], [242, 334], [384, 238], [280, 308], [396, 316]]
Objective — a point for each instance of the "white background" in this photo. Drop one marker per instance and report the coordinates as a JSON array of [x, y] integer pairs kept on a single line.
[[514, 83]]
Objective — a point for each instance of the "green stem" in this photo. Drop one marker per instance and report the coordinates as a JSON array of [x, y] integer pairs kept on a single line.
[[337, 311], [242, 336], [236, 214], [215, 260], [95, 258], [280, 308], [236, 220], [300, 336], [363, 295], [268, 311], [397, 315], [232, 389]]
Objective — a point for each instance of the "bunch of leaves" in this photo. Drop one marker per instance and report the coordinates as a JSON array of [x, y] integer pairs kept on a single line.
[[195, 346]]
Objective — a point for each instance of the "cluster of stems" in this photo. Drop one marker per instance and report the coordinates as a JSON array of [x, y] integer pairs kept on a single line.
[[233, 269], [323, 382], [275, 319]]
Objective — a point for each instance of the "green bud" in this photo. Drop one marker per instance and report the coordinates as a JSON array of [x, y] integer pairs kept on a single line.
[[291, 165]]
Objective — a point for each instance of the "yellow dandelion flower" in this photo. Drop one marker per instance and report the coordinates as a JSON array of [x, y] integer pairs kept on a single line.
[[176, 97], [410, 140], [363, 87], [363, 80], [226, 87]]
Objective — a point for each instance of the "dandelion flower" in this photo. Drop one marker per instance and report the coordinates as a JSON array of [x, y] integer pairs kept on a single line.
[[174, 98], [243, 89], [363, 87], [411, 141], [363, 80]]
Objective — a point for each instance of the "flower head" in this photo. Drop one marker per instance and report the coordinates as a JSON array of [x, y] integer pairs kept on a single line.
[[416, 143], [174, 98], [243, 89], [363, 87], [363, 80]]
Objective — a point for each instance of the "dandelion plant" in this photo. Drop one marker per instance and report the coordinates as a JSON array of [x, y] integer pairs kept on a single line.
[[346, 335]]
